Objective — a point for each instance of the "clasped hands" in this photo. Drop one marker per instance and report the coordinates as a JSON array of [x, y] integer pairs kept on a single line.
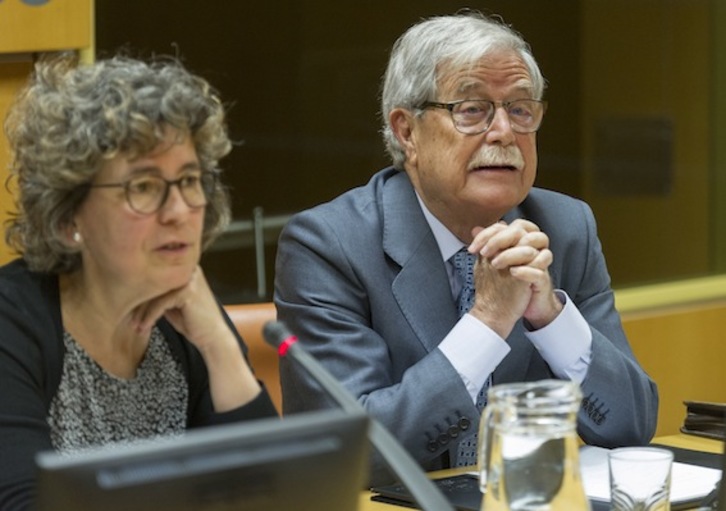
[[512, 277]]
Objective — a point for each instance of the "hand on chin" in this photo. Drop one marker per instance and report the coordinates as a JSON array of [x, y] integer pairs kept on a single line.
[[163, 281]]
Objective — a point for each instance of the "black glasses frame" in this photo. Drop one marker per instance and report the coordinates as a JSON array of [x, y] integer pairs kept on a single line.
[[207, 180], [495, 105]]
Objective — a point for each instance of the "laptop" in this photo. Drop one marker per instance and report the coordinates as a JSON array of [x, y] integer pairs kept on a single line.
[[306, 462]]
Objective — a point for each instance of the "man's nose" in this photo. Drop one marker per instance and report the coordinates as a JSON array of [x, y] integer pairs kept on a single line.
[[500, 129]]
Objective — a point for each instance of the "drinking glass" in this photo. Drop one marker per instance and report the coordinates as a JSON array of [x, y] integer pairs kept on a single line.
[[640, 479]]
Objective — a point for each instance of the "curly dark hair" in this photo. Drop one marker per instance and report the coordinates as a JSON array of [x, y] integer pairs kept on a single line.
[[70, 118]]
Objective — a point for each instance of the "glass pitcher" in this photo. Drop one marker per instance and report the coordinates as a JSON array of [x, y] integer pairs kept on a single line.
[[528, 448]]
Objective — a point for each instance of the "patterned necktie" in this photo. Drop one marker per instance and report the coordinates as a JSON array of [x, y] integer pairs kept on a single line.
[[464, 266]]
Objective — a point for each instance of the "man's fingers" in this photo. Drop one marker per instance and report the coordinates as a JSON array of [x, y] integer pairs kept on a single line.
[[497, 237]]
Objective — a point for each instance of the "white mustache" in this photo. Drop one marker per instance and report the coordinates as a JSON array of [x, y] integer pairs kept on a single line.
[[498, 156]]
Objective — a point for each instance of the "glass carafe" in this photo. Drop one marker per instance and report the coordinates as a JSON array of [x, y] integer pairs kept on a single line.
[[528, 448]]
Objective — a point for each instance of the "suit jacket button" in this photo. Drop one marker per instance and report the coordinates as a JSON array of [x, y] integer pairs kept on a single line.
[[464, 423], [432, 446], [453, 431], [443, 439]]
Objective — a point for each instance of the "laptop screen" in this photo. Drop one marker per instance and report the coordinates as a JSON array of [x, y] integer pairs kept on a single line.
[[306, 462]]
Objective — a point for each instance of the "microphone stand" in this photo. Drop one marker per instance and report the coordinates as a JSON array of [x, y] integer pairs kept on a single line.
[[424, 492]]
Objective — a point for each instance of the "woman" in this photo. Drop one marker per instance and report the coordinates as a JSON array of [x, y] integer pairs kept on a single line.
[[109, 331]]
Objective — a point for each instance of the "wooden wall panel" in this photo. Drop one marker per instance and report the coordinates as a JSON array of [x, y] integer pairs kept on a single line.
[[684, 350], [55, 25], [24, 30], [12, 77]]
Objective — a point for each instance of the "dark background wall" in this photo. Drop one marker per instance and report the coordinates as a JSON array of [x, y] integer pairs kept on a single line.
[[301, 79]]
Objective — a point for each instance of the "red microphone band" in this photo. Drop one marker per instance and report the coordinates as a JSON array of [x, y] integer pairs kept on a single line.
[[285, 345]]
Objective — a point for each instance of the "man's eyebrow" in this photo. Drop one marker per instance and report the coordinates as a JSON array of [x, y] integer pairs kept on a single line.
[[523, 85], [467, 86]]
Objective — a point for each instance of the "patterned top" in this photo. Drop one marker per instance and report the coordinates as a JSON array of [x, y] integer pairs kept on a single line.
[[93, 407]]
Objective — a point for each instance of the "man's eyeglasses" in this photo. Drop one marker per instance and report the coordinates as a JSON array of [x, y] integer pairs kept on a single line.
[[474, 116], [147, 194]]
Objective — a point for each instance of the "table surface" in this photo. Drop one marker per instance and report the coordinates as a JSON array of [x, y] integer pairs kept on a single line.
[[683, 441]]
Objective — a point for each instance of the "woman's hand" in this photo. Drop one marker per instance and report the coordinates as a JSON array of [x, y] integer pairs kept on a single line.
[[191, 309], [194, 312]]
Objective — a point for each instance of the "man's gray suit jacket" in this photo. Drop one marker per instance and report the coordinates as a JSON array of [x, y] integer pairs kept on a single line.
[[361, 282]]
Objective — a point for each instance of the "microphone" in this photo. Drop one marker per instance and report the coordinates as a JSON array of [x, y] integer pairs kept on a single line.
[[425, 492]]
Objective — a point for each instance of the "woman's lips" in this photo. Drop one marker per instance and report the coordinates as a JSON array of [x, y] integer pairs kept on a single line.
[[174, 246]]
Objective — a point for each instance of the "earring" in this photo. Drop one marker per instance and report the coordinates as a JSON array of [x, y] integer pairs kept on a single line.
[[77, 237]]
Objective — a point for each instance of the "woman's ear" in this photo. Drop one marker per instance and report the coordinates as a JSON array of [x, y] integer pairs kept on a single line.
[[402, 125], [72, 236]]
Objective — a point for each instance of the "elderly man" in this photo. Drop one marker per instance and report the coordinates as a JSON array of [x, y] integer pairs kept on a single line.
[[378, 284]]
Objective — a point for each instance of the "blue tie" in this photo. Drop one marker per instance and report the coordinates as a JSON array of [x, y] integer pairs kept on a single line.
[[464, 266]]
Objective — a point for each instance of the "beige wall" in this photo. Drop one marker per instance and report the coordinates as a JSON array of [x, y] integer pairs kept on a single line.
[[55, 25], [666, 46], [682, 349], [646, 59], [24, 29], [12, 76]]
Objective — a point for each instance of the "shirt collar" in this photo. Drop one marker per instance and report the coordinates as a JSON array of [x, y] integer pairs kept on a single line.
[[448, 243]]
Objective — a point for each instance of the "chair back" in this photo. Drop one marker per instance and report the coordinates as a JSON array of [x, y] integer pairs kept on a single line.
[[249, 319]]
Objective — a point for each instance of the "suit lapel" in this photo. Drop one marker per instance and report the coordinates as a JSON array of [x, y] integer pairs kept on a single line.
[[421, 288]]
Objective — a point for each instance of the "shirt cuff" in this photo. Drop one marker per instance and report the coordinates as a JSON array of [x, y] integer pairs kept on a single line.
[[566, 343], [474, 350]]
